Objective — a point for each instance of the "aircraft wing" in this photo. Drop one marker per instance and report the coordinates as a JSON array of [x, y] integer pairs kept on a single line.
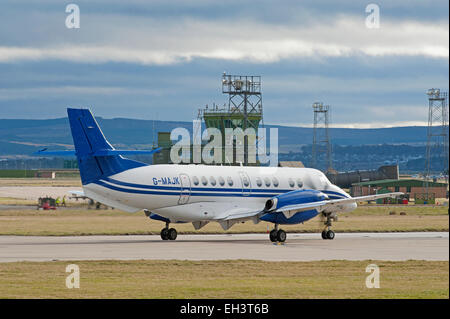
[[320, 206], [233, 216], [245, 214]]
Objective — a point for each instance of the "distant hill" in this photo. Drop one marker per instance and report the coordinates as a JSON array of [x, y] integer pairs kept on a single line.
[[22, 137]]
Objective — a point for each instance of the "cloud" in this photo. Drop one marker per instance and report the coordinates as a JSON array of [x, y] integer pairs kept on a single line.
[[63, 91], [157, 42], [377, 124], [92, 54], [138, 58]]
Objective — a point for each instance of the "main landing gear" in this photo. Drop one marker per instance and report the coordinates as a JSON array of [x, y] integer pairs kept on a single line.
[[277, 235], [168, 233], [327, 233]]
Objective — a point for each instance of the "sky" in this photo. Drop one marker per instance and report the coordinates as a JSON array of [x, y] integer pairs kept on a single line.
[[164, 59]]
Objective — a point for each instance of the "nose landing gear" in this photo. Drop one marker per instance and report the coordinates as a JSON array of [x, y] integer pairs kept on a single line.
[[327, 233]]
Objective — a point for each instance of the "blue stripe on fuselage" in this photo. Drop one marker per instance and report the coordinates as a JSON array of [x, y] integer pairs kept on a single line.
[[156, 192], [206, 189], [199, 191]]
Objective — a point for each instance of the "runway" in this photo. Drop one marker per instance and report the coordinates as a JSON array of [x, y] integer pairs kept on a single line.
[[34, 192], [299, 247]]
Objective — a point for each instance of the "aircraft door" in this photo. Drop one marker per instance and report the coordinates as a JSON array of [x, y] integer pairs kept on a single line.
[[246, 184], [185, 193]]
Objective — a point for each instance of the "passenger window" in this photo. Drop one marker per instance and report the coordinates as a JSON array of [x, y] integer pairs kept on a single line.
[[230, 181], [259, 181], [299, 183], [221, 181], [291, 182], [267, 181], [204, 181], [195, 179], [212, 180], [245, 181], [275, 181]]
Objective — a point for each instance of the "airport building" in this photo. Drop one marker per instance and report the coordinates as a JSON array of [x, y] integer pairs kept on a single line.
[[413, 189], [346, 179]]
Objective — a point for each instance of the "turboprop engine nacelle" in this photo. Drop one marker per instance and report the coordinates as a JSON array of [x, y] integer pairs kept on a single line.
[[300, 196]]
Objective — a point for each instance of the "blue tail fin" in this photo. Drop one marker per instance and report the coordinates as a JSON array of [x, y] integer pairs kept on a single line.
[[89, 141]]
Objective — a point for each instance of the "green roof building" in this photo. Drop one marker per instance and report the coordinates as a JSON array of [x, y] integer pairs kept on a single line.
[[412, 188]]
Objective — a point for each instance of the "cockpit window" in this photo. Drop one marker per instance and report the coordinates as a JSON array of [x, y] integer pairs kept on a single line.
[[323, 179]]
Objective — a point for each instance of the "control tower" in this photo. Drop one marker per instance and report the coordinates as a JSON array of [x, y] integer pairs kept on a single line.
[[244, 110]]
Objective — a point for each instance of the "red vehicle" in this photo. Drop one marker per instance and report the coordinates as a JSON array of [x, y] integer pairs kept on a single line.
[[47, 203]]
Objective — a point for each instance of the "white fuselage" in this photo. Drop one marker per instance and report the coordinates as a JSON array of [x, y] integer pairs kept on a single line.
[[202, 192]]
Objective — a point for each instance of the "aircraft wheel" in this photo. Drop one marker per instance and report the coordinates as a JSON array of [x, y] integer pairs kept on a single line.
[[330, 234], [281, 236], [324, 235], [164, 234], [273, 235], [172, 234]]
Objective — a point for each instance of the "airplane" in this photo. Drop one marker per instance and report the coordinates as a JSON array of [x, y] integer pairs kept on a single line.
[[200, 194], [77, 194]]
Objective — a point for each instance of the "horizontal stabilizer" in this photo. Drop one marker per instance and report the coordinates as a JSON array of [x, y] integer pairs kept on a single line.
[[101, 152], [107, 152], [44, 152]]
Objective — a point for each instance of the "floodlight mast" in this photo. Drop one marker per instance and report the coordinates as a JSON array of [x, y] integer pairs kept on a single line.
[[437, 135], [321, 136]]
